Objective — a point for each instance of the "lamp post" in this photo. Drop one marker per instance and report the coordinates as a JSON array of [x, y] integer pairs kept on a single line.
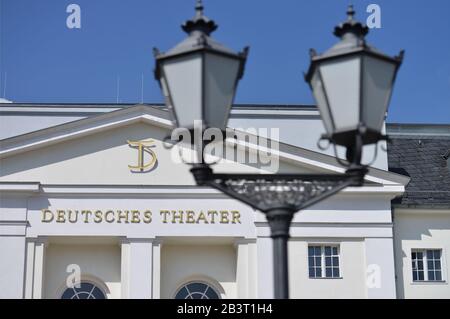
[[352, 83]]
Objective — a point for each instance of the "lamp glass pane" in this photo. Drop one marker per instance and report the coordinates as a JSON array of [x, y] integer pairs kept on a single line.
[[378, 79], [184, 83], [221, 74], [321, 101], [341, 80]]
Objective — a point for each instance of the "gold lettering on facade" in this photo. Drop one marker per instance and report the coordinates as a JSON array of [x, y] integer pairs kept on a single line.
[[73, 216], [177, 215], [224, 217], [98, 216], [135, 216], [143, 147], [60, 216], [190, 219], [109, 219], [164, 214], [47, 216], [201, 216], [147, 217], [122, 215], [135, 219], [86, 214], [212, 214], [236, 219]]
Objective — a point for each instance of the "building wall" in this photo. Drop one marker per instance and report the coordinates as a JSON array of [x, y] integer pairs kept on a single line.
[[215, 264], [351, 284], [416, 229], [13, 215], [17, 119], [12, 261], [101, 262], [104, 158], [92, 173]]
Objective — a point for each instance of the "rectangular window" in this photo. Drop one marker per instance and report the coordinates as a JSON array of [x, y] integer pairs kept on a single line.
[[323, 261], [426, 264]]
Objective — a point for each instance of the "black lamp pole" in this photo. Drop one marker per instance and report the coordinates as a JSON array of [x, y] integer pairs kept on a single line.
[[299, 192], [279, 222]]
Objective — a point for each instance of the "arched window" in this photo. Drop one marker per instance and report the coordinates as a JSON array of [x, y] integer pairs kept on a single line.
[[85, 290], [197, 290]]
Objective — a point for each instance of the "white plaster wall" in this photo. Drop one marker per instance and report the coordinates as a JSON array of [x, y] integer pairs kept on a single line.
[[287, 122], [12, 266], [183, 263], [104, 157], [13, 125], [99, 260], [352, 270], [13, 223], [305, 132], [421, 229]]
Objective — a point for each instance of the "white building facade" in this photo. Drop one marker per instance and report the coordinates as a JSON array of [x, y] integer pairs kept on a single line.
[[82, 202]]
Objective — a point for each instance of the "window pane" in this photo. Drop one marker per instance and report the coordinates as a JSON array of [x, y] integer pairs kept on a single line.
[[431, 275], [196, 286], [430, 264], [196, 295], [86, 290], [211, 294], [97, 294], [437, 254], [335, 261], [318, 261], [330, 261], [421, 275], [197, 290], [318, 272], [317, 251], [430, 254], [437, 265], [335, 272], [414, 275], [420, 265], [438, 275], [182, 294], [68, 293]]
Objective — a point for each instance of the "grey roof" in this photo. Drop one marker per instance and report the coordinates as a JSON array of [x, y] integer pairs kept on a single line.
[[425, 158]]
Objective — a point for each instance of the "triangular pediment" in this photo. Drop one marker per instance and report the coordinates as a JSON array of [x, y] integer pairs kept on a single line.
[[105, 150]]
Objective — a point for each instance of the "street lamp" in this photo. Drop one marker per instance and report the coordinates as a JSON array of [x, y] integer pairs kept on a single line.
[[199, 76], [352, 84]]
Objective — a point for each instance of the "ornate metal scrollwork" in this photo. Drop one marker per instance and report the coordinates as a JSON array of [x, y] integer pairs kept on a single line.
[[268, 194]]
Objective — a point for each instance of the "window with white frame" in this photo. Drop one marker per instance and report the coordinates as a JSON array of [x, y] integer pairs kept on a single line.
[[426, 264], [197, 290], [323, 261], [83, 290]]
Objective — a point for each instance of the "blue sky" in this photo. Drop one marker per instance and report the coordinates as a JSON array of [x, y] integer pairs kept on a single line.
[[44, 61]]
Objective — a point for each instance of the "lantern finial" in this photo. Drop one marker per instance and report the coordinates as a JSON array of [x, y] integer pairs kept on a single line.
[[200, 22], [199, 8], [351, 26], [350, 12]]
